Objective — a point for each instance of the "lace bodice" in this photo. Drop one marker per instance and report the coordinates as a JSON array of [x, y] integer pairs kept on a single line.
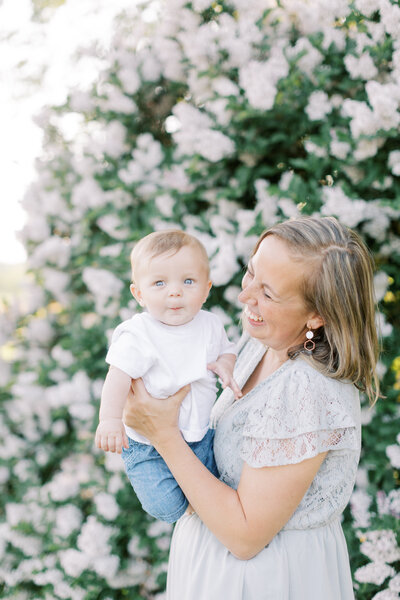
[[294, 414]]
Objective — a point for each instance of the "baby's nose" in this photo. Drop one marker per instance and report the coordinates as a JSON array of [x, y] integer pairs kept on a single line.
[[175, 291]]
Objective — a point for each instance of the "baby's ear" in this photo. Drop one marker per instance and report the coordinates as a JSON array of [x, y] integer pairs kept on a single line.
[[136, 293], [209, 286]]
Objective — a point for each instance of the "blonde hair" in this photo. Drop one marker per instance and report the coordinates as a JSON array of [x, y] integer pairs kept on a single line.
[[160, 242], [339, 287]]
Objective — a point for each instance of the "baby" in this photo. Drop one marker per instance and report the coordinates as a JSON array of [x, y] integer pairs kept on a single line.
[[172, 344]]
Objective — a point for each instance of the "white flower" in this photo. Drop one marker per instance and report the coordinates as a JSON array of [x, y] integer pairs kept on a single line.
[[115, 100], [94, 539], [386, 595], [63, 357], [104, 286], [363, 120], [68, 518], [381, 546], [349, 212], [381, 283], [310, 60], [313, 148], [231, 295], [220, 111], [39, 331], [225, 87], [339, 149], [57, 283], [106, 565], [165, 204], [158, 528], [259, 79], [62, 487], [394, 583], [196, 136], [367, 148], [267, 203], [73, 561], [113, 226], [394, 162], [384, 99], [362, 67], [129, 79], [106, 506], [54, 250], [360, 502], [87, 194], [136, 548], [375, 573], [81, 101], [366, 7], [223, 264], [288, 207], [393, 454], [390, 17], [318, 106], [385, 329], [213, 145]]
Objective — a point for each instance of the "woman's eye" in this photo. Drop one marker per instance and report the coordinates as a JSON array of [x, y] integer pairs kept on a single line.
[[188, 281], [159, 283]]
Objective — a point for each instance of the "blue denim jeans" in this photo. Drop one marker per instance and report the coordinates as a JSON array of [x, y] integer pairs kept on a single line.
[[153, 482]]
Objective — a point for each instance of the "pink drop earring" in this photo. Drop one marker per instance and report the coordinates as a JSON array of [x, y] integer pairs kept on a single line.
[[309, 344]]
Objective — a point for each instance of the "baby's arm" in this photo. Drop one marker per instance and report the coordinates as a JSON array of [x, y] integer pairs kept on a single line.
[[110, 433], [223, 367]]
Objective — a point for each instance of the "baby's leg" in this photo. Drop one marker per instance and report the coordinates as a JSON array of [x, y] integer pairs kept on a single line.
[[204, 450], [153, 483]]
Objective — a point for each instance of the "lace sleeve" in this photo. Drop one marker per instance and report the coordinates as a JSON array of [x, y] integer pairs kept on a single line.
[[305, 414]]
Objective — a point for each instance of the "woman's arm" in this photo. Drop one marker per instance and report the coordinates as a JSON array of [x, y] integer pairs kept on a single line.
[[244, 520]]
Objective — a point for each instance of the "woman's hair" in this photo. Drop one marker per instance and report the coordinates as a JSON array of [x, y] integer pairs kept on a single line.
[[160, 242], [339, 287]]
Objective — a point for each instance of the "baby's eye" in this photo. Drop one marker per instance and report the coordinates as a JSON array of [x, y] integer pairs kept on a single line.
[[188, 281], [159, 283], [249, 273]]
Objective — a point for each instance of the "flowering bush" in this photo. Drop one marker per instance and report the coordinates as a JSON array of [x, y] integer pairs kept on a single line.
[[221, 118]]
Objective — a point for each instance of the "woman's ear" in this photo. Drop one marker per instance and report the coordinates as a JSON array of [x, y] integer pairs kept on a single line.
[[315, 322], [136, 293]]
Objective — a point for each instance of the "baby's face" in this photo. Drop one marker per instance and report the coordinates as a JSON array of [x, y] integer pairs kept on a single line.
[[173, 287]]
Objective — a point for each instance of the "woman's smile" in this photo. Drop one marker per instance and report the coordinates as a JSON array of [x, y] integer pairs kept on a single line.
[[252, 316]]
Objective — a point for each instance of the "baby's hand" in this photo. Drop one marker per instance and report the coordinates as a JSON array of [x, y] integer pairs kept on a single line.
[[223, 367], [111, 436]]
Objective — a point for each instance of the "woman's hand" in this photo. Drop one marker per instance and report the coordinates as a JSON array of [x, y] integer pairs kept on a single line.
[[156, 419]]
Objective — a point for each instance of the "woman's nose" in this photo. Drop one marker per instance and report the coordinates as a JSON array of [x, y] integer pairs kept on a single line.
[[246, 296]]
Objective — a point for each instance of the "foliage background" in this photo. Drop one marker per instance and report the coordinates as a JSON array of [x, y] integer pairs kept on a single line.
[[221, 118]]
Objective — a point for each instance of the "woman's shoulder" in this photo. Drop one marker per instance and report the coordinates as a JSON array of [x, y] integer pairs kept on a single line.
[[299, 398], [301, 375]]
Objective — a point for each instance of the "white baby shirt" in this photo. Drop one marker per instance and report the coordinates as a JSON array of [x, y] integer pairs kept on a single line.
[[167, 357]]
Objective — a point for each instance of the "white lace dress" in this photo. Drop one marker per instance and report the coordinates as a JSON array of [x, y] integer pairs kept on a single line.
[[294, 414]]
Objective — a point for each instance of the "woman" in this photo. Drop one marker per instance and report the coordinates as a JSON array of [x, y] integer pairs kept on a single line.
[[288, 450]]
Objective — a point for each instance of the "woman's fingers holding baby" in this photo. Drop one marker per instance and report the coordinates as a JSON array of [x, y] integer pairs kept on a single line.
[[152, 417]]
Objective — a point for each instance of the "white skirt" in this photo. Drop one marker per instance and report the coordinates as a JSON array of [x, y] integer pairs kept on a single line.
[[307, 564]]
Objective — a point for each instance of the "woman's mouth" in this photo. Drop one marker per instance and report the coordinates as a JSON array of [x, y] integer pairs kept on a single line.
[[252, 316]]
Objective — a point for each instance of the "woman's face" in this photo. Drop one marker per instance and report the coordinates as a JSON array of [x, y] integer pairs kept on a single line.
[[275, 312]]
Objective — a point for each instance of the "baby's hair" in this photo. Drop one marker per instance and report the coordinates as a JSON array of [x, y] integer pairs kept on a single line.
[[161, 242], [339, 287]]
